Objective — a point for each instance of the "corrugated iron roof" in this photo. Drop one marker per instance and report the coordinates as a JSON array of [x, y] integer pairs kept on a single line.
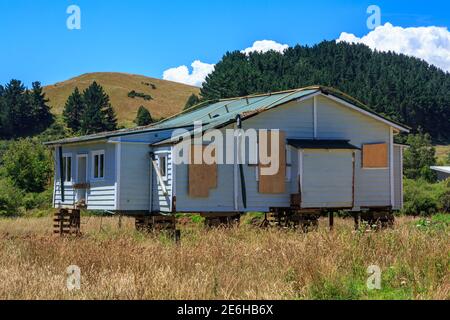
[[220, 112]]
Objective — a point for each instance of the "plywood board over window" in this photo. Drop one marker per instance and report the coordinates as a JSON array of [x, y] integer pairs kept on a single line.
[[375, 156], [273, 184], [202, 177]]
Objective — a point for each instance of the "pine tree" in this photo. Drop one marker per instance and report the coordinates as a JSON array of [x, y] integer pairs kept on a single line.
[[98, 114], [110, 118], [41, 114], [18, 119], [143, 117], [73, 110], [192, 101], [2, 112]]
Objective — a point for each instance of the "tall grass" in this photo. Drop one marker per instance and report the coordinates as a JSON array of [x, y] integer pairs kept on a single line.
[[238, 263]]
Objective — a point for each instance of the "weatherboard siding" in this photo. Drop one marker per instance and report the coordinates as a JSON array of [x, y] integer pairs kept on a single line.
[[102, 192], [327, 179], [221, 198], [336, 121], [135, 166], [296, 119], [161, 202]]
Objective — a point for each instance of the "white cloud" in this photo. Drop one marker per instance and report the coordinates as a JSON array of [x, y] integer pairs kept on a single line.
[[431, 44], [264, 46], [200, 71]]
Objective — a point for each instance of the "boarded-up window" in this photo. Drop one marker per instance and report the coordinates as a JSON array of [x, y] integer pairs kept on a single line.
[[273, 184], [202, 177], [375, 155]]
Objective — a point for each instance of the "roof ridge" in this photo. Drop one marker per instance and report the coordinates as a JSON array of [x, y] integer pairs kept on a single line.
[[272, 93]]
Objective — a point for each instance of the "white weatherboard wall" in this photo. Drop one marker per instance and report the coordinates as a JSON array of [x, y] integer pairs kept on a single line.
[[332, 121], [102, 192], [161, 202], [336, 121], [134, 173], [327, 179], [296, 119]]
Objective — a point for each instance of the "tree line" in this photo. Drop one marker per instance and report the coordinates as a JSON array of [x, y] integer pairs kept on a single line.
[[23, 112], [404, 88]]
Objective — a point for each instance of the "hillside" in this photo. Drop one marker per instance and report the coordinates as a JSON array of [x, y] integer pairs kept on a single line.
[[167, 97], [403, 88]]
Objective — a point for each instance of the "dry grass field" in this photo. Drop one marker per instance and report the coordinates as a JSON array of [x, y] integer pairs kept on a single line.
[[168, 97], [237, 263], [442, 152]]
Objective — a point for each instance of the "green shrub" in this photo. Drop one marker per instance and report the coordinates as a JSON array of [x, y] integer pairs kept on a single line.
[[423, 198], [419, 157], [41, 200], [10, 199], [444, 198], [133, 94], [28, 164]]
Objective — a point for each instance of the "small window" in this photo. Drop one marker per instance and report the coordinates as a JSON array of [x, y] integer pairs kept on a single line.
[[67, 168], [375, 156], [162, 164], [98, 165]]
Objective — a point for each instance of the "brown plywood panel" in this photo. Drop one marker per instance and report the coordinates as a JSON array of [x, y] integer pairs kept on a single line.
[[375, 155], [274, 184], [202, 177]]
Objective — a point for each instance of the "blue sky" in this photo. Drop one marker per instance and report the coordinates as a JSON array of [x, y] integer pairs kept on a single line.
[[149, 37]]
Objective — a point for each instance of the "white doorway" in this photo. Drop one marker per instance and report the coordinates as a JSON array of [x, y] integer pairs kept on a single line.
[[82, 174]]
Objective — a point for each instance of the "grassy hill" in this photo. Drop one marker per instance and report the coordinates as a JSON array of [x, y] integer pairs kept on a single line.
[[167, 97]]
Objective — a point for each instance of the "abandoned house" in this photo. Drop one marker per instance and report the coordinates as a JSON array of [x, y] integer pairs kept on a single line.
[[334, 154]]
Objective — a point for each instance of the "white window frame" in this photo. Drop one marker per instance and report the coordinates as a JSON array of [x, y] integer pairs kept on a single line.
[[86, 156], [65, 167], [166, 163], [98, 153]]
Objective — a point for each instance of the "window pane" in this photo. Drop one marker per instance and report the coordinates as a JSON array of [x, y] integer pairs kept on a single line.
[[63, 173], [102, 165], [162, 164], [96, 166], [69, 169]]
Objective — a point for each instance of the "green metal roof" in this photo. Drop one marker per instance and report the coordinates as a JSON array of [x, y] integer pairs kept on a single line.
[[219, 113]]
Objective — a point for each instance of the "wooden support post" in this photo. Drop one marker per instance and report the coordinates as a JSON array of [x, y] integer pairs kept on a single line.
[[356, 217], [331, 217]]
